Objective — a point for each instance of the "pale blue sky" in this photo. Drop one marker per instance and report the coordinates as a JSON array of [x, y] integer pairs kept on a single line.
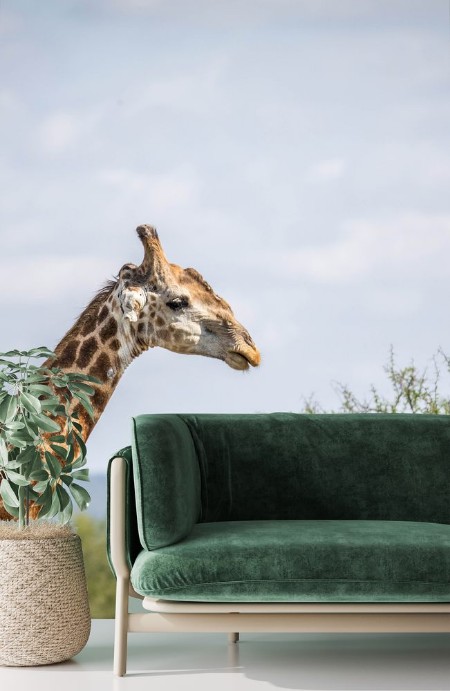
[[295, 152]]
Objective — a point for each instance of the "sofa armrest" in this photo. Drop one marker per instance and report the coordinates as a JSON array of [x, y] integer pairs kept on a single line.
[[123, 543], [167, 480]]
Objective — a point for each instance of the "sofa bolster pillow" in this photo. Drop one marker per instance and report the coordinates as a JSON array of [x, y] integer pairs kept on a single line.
[[166, 479]]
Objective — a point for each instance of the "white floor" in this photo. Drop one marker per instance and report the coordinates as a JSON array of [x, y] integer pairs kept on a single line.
[[202, 662]]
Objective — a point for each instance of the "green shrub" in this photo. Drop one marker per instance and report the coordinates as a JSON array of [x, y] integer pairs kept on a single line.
[[413, 390]]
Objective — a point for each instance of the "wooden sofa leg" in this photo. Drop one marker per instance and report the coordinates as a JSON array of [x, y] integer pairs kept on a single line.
[[233, 637], [121, 628]]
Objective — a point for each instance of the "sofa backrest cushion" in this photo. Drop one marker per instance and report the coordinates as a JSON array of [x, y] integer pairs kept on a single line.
[[338, 466]]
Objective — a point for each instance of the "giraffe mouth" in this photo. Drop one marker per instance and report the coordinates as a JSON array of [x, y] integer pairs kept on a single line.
[[241, 362]]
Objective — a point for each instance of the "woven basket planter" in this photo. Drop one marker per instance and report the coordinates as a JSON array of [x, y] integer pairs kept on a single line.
[[44, 609]]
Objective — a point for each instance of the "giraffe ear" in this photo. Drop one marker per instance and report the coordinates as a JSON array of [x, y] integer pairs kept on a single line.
[[132, 300]]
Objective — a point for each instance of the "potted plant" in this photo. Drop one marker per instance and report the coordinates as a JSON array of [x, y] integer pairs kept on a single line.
[[44, 613]]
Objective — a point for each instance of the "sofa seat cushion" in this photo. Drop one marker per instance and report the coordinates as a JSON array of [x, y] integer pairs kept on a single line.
[[301, 561]]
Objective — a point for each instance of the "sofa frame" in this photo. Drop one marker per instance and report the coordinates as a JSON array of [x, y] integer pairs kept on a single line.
[[170, 616]]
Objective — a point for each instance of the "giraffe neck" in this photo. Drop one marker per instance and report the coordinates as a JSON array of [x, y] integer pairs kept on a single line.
[[102, 344]]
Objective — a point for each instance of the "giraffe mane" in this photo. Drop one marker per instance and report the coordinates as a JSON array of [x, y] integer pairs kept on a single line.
[[91, 310]]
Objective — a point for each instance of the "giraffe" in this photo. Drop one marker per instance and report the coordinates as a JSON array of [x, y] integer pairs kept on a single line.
[[154, 304]]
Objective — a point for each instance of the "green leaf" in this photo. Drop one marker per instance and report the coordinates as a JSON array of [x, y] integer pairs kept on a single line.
[[85, 402], [16, 478], [41, 389], [77, 377], [59, 450], [8, 494], [28, 455], [83, 388], [67, 513], [15, 425], [40, 475], [53, 465], [41, 486], [17, 443], [45, 423], [59, 382], [70, 455], [38, 377], [55, 505], [66, 478], [45, 500], [58, 438], [64, 498], [81, 444], [24, 458], [3, 452], [32, 429], [81, 495], [30, 402], [13, 510], [81, 474], [79, 462], [20, 436], [8, 408], [14, 353], [52, 405], [42, 351]]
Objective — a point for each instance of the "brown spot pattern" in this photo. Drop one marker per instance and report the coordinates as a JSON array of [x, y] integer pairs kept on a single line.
[[87, 352], [103, 313], [99, 400], [100, 367], [109, 330], [160, 321], [89, 324], [115, 344], [68, 354]]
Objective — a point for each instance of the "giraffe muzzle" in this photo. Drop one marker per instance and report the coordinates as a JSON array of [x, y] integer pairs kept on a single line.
[[242, 360]]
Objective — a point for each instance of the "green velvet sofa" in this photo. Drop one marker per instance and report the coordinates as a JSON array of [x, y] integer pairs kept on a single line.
[[281, 522]]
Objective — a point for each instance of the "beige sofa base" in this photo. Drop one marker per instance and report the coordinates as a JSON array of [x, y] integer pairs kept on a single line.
[[169, 616]]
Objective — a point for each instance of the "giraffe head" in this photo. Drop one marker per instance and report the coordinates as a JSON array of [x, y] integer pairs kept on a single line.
[[174, 308]]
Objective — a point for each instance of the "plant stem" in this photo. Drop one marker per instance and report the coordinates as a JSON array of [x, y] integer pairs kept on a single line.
[[21, 507], [27, 506]]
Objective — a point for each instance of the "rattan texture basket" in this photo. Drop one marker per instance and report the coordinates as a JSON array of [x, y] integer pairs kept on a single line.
[[44, 608]]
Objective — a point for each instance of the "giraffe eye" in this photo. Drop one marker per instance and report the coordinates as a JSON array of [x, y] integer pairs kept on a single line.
[[178, 304]]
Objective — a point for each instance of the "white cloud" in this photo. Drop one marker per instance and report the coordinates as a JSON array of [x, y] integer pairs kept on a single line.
[[327, 170], [412, 245]]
